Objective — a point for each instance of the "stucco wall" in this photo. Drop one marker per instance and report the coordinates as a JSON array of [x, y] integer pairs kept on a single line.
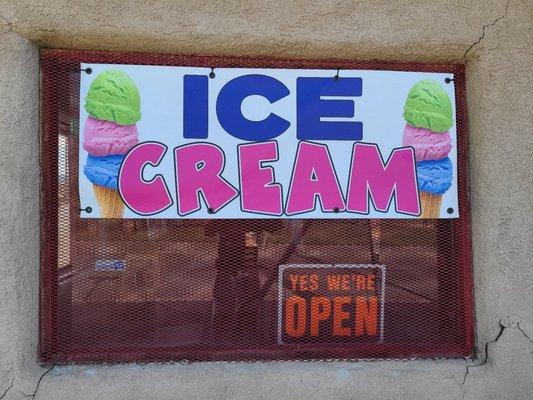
[[493, 37]]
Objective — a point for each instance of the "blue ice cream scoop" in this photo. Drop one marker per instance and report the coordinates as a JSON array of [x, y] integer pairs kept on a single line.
[[103, 171], [434, 176]]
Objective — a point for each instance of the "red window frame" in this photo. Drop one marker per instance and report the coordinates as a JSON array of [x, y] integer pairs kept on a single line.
[[60, 86]]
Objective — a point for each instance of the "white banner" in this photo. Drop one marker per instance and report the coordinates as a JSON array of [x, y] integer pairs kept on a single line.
[[183, 142]]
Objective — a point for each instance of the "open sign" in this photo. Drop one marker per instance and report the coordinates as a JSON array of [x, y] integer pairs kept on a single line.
[[337, 303]]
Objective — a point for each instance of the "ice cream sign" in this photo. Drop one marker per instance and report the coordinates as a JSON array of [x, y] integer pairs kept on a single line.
[[184, 142]]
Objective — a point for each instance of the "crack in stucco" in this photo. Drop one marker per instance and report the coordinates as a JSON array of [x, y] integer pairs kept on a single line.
[[486, 355], [485, 359], [483, 30], [34, 394], [503, 328], [9, 387], [523, 332]]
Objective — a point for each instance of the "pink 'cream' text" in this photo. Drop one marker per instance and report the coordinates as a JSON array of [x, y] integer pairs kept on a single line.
[[199, 180]]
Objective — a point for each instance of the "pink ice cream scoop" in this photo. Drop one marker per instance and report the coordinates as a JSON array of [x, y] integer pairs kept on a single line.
[[105, 138], [428, 145]]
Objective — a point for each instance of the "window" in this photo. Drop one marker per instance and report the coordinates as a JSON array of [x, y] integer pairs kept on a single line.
[[123, 290]]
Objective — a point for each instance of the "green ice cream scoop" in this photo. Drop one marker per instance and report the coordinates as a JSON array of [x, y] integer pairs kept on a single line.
[[113, 96], [428, 106]]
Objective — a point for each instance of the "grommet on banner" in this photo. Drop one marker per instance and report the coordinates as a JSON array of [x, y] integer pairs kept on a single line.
[[210, 211], [448, 80], [87, 209], [336, 77], [88, 71], [336, 210], [449, 210], [212, 73]]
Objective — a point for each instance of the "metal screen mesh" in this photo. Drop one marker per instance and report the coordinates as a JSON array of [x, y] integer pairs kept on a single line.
[[207, 290]]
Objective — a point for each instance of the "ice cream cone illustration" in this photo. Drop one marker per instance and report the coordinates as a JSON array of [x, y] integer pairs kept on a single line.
[[434, 179], [103, 173], [113, 104], [430, 204], [109, 201], [428, 115]]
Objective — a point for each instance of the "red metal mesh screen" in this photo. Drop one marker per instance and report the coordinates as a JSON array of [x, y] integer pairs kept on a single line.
[[207, 290]]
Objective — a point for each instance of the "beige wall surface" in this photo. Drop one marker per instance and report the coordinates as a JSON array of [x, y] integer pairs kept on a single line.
[[493, 38]]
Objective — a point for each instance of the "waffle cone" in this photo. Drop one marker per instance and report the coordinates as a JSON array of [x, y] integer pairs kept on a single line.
[[430, 204], [109, 201]]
